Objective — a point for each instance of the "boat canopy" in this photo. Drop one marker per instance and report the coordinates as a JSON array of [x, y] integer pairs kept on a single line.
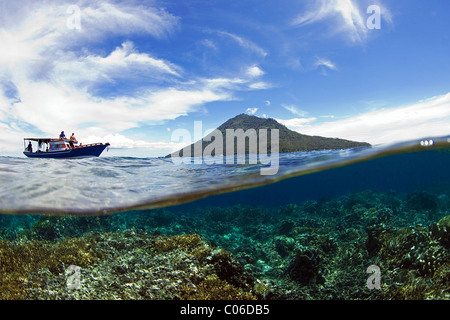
[[44, 140], [39, 139]]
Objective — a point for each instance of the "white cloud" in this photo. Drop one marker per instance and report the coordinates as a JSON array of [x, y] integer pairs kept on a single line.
[[260, 85], [31, 29], [224, 83], [123, 64], [126, 55], [323, 62], [37, 43], [424, 119], [47, 107], [209, 44], [119, 141], [252, 111], [295, 110], [327, 116], [121, 145], [238, 83], [296, 123], [245, 43], [254, 71], [124, 18]]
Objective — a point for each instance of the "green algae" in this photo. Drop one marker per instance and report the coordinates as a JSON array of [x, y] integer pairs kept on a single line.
[[184, 242], [18, 260], [214, 288]]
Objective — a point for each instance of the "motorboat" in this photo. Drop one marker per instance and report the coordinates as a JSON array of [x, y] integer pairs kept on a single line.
[[61, 148]]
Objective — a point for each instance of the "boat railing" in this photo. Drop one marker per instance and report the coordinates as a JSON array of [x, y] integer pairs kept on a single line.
[[88, 145]]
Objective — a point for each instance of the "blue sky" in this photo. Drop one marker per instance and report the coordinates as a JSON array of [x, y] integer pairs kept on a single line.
[[132, 72]]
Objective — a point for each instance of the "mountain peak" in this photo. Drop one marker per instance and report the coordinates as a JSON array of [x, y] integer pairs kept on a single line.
[[289, 141], [246, 121]]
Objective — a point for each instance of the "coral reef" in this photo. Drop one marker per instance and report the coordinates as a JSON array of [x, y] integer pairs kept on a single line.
[[418, 264], [122, 265], [20, 260], [309, 250], [441, 231], [184, 242], [305, 268]]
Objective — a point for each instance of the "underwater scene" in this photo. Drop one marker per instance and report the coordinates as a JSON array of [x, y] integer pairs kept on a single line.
[[362, 224]]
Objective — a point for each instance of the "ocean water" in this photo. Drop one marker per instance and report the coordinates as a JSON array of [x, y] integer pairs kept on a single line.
[[295, 233], [95, 186]]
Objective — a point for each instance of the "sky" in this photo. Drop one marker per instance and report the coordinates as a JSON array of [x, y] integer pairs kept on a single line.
[[133, 72]]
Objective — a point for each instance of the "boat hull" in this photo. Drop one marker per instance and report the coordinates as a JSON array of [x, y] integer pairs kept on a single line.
[[79, 152]]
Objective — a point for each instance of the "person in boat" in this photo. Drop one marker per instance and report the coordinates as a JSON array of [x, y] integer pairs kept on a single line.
[[30, 147], [62, 135], [72, 140]]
